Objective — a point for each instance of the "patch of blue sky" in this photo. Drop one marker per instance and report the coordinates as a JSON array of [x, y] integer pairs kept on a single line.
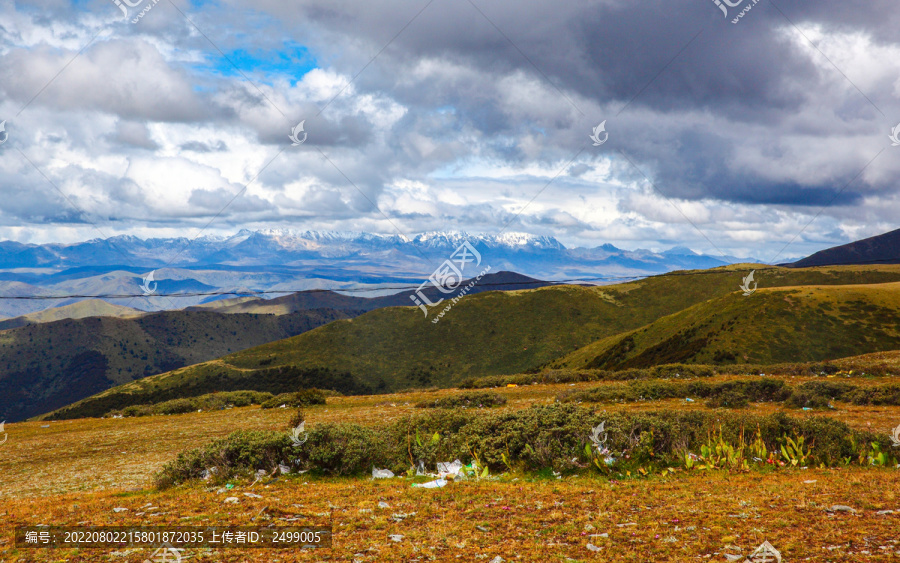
[[290, 60]]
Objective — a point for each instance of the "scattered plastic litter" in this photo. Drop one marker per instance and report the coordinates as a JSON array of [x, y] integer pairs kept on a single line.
[[511, 385], [252, 495], [807, 409], [497, 559], [445, 469], [381, 473], [396, 537], [437, 483], [382, 504], [420, 470], [231, 500], [229, 486], [283, 468], [261, 473], [593, 547], [689, 400], [119, 509]]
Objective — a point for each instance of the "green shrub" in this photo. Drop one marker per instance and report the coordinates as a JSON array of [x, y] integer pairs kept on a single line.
[[726, 393], [465, 400], [538, 438], [302, 398], [348, 449], [875, 395], [667, 371], [243, 451], [175, 406], [210, 401], [802, 398], [732, 399]]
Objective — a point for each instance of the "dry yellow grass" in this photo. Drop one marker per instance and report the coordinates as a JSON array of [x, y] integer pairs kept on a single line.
[[77, 471]]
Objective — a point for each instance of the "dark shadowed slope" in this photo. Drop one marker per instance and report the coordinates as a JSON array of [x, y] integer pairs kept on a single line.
[[881, 249]]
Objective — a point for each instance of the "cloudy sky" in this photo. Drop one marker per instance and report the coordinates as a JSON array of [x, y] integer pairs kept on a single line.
[[173, 119]]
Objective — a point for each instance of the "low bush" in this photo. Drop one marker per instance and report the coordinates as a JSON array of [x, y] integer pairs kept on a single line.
[[554, 437], [732, 394], [730, 399], [302, 398], [667, 371], [465, 400], [239, 452], [210, 401]]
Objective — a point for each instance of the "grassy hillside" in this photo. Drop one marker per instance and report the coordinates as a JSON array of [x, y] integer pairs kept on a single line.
[[319, 299], [485, 334], [95, 472], [793, 324], [80, 310], [45, 366]]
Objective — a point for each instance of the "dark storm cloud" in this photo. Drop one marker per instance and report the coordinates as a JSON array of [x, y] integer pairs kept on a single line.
[[603, 55]]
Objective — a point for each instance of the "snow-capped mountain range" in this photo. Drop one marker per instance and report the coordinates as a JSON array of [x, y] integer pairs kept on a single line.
[[289, 260]]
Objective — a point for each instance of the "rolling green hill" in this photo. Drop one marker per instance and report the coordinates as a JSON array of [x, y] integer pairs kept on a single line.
[[48, 365], [792, 324], [489, 333]]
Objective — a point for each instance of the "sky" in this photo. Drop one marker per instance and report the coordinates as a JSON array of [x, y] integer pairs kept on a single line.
[[764, 134]]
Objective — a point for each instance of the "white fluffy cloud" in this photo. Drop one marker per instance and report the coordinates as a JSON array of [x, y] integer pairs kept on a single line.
[[740, 139]]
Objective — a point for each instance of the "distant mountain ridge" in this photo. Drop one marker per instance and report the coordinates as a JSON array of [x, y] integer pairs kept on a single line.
[[304, 300], [279, 246], [880, 249], [286, 261]]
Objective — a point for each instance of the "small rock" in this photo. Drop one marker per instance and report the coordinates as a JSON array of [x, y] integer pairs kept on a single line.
[[497, 559], [396, 537], [119, 509], [588, 528], [840, 508], [593, 547], [382, 504], [252, 495], [885, 512], [482, 528], [231, 500]]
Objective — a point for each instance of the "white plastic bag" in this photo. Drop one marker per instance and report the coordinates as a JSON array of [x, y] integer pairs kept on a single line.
[[381, 473], [444, 469], [431, 484]]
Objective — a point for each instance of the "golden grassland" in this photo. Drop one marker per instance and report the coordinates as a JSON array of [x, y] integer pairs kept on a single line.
[[75, 472]]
